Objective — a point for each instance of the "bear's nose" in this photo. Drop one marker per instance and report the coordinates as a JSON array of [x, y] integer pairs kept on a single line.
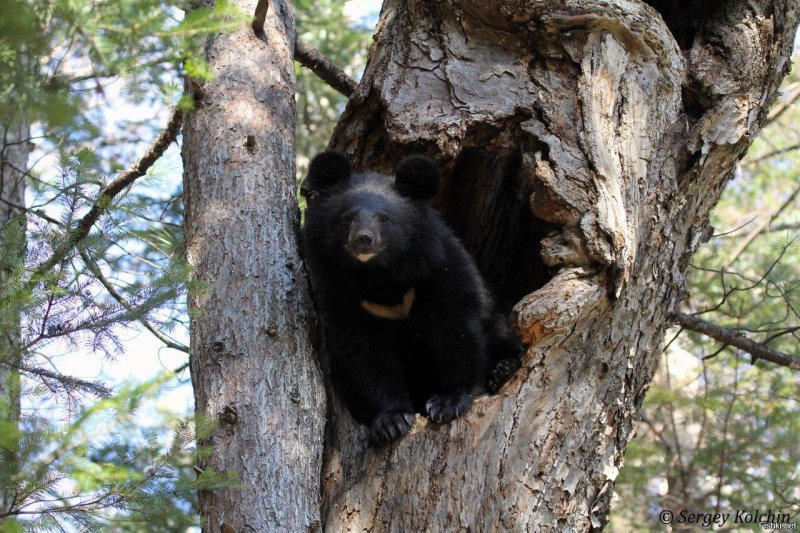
[[365, 238]]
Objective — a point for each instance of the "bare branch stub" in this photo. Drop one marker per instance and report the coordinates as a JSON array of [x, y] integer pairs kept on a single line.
[[733, 338], [260, 18]]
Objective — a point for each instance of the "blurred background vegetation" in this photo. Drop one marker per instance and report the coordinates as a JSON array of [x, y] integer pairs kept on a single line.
[[89, 443]]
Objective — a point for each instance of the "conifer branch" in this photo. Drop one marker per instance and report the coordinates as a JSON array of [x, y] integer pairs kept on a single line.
[[67, 382], [96, 272], [103, 201]]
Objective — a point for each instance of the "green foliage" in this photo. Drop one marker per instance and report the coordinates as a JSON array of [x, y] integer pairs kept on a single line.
[[55, 54], [66, 66], [79, 475], [66, 304], [53, 473]]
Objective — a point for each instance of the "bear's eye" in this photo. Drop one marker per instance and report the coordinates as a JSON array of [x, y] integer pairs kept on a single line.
[[349, 217], [383, 218]]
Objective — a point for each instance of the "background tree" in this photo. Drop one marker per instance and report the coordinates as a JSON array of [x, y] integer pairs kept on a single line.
[[12, 246]]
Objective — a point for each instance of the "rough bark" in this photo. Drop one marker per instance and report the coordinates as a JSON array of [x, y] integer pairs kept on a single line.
[[253, 366], [13, 166], [583, 150]]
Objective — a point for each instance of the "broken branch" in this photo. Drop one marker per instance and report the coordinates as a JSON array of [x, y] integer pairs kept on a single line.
[[260, 18]]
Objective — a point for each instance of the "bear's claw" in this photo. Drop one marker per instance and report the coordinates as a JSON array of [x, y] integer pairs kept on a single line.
[[443, 408], [390, 426]]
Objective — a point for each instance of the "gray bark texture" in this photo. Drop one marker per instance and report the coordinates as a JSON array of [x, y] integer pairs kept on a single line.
[[13, 167], [583, 145], [583, 149], [253, 366]]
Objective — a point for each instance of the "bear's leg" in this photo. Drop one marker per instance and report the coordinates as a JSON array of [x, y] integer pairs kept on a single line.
[[368, 376], [505, 353], [458, 348]]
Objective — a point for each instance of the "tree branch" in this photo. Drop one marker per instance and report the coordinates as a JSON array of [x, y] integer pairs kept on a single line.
[[308, 56], [734, 338], [790, 97], [748, 240], [312, 59], [260, 18], [68, 382], [95, 270], [780, 227], [156, 150], [753, 162]]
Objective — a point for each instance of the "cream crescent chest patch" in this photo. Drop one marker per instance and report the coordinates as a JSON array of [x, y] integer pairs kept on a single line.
[[391, 312]]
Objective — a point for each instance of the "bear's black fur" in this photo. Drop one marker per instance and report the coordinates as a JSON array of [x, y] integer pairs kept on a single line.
[[409, 324]]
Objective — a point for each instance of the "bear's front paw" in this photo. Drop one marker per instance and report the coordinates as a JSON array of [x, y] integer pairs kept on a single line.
[[390, 426], [501, 372], [446, 407]]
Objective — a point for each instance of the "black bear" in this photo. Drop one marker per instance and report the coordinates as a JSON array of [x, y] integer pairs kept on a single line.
[[409, 324]]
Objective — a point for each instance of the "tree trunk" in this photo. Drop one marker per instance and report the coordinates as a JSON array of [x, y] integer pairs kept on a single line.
[[583, 150], [13, 167], [252, 365]]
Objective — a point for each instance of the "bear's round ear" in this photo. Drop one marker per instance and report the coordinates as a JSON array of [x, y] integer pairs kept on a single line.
[[417, 177], [326, 170]]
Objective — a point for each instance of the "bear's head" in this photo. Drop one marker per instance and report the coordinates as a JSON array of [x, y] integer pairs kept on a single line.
[[372, 218]]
